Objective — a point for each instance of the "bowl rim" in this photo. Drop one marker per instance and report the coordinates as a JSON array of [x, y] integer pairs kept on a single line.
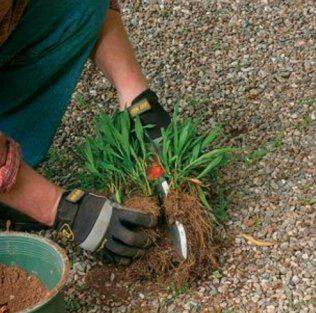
[[65, 260]]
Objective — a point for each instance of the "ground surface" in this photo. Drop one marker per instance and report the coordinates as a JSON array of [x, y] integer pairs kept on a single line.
[[249, 65]]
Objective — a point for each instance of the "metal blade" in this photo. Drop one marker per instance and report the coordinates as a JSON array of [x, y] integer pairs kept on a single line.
[[177, 230], [179, 239]]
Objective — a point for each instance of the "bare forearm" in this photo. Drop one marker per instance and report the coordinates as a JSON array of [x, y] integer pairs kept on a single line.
[[114, 55], [33, 195]]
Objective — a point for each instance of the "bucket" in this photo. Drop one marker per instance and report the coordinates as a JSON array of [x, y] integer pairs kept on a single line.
[[41, 257]]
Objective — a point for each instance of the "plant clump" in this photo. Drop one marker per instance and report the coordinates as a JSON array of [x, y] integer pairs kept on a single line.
[[122, 161]]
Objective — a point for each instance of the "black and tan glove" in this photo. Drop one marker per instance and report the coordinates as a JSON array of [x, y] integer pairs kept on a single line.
[[150, 112], [97, 224]]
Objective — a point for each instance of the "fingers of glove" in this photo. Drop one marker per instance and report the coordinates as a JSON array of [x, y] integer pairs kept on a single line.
[[137, 218], [111, 257], [123, 250], [132, 238]]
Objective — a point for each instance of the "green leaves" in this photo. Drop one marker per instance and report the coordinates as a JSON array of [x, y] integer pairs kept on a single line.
[[186, 154], [211, 137], [215, 162], [117, 157], [192, 159], [140, 136]]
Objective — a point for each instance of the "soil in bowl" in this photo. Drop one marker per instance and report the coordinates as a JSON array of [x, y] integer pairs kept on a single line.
[[19, 290]]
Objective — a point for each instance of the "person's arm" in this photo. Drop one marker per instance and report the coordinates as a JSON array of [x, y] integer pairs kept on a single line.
[[90, 220], [114, 55], [33, 195], [24, 189]]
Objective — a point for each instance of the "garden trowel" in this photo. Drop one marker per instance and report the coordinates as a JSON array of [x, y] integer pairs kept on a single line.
[[147, 108], [177, 230]]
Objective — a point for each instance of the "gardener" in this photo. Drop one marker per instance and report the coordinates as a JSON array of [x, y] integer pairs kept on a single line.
[[43, 47]]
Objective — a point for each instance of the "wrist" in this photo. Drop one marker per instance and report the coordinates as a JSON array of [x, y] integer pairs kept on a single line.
[[52, 214], [83, 217], [128, 94], [33, 195], [48, 215]]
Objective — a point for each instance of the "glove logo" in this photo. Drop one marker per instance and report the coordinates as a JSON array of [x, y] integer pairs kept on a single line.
[[139, 108], [66, 234], [75, 196]]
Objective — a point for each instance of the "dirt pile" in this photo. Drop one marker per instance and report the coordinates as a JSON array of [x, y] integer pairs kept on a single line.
[[18, 289]]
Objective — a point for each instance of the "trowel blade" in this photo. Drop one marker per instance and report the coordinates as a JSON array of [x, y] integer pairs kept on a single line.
[[179, 239], [177, 230]]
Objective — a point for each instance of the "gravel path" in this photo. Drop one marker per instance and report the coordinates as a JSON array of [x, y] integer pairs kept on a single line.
[[249, 65]]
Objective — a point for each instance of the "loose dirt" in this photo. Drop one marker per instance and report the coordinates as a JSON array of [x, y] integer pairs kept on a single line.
[[18, 289]]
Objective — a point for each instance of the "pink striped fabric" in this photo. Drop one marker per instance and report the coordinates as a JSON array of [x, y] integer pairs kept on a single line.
[[10, 160]]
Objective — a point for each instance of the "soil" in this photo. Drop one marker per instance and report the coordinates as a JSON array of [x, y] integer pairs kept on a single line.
[[107, 281], [203, 248], [18, 289], [161, 265], [146, 205], [143, 204]]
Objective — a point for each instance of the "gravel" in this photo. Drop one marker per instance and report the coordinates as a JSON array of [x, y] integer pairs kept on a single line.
[[250, 66]]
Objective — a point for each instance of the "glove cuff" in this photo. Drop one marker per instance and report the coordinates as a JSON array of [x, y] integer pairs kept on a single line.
[[83, 218], [150, 112]]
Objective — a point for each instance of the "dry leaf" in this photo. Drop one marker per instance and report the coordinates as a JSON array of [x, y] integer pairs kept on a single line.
[[256, 242], [195, 181]]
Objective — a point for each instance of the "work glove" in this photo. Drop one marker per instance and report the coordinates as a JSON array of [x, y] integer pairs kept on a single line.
[[97, 224], [150, 112]]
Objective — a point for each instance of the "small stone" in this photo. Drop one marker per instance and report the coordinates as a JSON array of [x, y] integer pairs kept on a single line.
[[295, 279], [271, 309]]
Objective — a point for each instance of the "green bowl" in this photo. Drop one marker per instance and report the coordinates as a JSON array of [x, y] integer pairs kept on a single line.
[[41, 257]]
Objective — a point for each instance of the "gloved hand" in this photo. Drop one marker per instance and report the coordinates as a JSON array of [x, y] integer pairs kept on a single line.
[[150, 112], [96, 223]]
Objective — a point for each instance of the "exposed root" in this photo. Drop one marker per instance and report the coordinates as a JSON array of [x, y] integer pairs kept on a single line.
[[143, 204], [188, 210], [146, 205]]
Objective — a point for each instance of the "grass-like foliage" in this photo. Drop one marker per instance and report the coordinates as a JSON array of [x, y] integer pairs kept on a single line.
[[189, 158], [117, 158]]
